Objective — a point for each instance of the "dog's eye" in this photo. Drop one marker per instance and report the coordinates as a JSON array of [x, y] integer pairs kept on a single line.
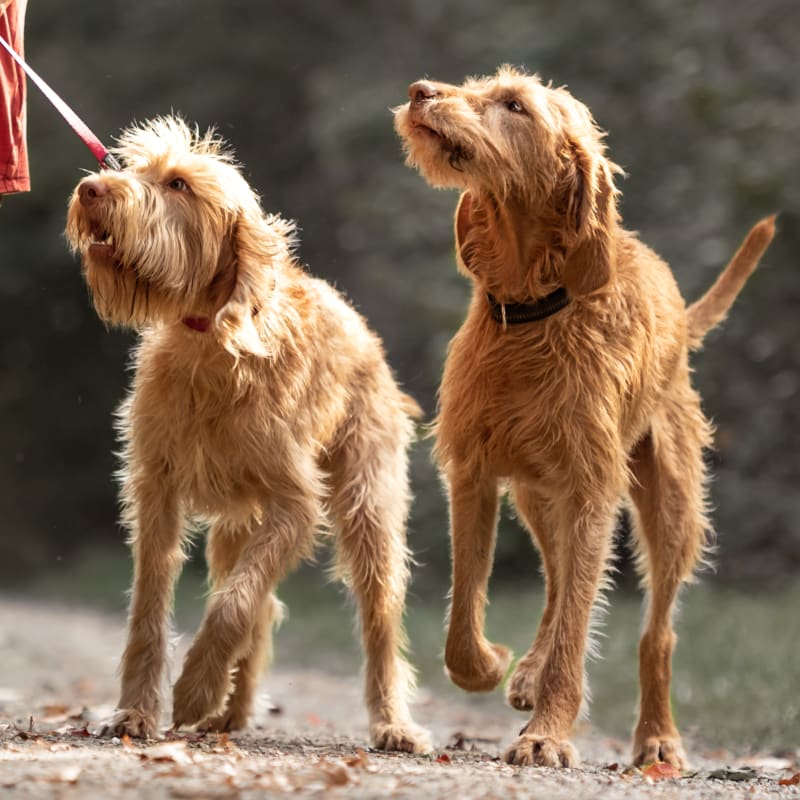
[[178, 184], [515, 106]]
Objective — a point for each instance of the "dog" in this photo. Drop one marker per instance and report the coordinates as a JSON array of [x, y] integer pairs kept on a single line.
[[568, 383], [261, 406]]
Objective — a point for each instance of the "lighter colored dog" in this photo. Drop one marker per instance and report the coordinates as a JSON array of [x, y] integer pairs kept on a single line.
[[570, 380], [262, 405]]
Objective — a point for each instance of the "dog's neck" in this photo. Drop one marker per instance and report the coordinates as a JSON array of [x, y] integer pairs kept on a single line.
[[507, 249]]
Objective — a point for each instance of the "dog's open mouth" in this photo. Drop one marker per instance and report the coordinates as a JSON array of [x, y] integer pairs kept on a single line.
[[101, 243]]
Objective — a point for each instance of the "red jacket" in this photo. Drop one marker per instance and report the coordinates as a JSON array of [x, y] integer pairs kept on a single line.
[[14, 175]]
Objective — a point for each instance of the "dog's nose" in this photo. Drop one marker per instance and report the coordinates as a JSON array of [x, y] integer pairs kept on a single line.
[[91, 190], [421, 91]]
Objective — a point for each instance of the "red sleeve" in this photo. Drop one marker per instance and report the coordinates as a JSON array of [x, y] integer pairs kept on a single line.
[[14, 175]]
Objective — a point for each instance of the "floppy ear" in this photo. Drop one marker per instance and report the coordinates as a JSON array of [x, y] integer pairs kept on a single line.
[[254, 247], [590, 221], [464, 223]]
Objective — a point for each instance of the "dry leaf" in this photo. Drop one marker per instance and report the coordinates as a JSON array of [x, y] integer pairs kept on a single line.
[[360, 761], [443, 759], [334, 774], [793, 781], [739, 774], [55, 710], [82, 731], [170, 752], [660, 771]]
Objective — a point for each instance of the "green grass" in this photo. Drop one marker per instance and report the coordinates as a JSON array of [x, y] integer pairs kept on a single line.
[[735, 670]]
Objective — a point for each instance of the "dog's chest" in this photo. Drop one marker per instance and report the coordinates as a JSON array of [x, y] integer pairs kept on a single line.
[[219, 441]]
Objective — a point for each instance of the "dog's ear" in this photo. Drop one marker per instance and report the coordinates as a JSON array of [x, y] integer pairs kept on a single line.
[[590, 214], [464, 223], [255, 244]]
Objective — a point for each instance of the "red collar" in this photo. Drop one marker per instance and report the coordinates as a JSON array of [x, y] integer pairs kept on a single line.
[[201, 324]]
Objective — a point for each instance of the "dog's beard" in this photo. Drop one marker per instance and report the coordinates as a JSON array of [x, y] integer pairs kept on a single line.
[[119, 294]]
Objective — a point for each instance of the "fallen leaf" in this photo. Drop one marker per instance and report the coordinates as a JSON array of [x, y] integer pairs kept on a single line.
[[334, 774], [443, 759], [169, 752], [728, 774], [661, 771], [82, 731], [793, 781], [55, 710], [612, 767], [457, 741], [360, 761]]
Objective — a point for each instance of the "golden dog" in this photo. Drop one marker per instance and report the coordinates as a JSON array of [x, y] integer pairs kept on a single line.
[[261, 405], [569, 380]]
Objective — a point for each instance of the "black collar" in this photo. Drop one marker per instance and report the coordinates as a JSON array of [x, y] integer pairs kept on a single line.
[[518, 313]]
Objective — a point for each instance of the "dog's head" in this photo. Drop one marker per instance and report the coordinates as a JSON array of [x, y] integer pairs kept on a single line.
[[510, 142], [178, 233]]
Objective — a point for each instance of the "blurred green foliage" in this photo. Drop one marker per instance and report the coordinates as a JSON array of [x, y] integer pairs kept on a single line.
[[702, 105]]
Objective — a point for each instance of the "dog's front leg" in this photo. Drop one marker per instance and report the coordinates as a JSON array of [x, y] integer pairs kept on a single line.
[[156, 539], [472, 662], [583, 546], [283, 538]]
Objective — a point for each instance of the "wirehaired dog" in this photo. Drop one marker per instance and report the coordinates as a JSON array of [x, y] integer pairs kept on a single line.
[[261, 405], [569, 381]]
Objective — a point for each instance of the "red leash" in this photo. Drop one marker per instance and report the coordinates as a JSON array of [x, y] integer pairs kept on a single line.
[[100, 152]]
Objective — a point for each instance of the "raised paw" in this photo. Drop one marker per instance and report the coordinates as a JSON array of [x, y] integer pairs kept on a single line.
[[405, 737], [521, 687], [197, 696], [668, 749], [478, 674], [134, 723], [542, 751]]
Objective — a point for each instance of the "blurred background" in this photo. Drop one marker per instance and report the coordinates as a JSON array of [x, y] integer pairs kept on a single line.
[[702, 107]]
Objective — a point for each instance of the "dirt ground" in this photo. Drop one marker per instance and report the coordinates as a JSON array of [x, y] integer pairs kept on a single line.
[[307, 739]]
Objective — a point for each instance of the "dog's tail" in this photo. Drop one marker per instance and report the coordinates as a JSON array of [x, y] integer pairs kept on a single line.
[[713, 306]]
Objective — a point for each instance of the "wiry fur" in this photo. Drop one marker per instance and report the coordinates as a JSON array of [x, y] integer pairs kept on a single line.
[[280, 415], [574, 412]]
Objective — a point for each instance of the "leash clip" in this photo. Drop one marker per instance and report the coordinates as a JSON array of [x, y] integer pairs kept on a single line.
[[109, 162]]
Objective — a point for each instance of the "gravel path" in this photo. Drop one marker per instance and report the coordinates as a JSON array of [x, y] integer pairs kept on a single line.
[[57, 685]]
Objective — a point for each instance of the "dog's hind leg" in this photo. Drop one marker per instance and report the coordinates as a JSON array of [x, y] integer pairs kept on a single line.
[[671, 528], [523, 685], [225, 543], [369, 504], [283, 537], [151, 513], [472, 662]]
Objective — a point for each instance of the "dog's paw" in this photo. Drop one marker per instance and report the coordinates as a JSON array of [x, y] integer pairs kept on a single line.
[[198, 697], [134, 723], [231, 719], [405, 737], [521, 689], [542, 751], [668, 749], [480, 674]]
